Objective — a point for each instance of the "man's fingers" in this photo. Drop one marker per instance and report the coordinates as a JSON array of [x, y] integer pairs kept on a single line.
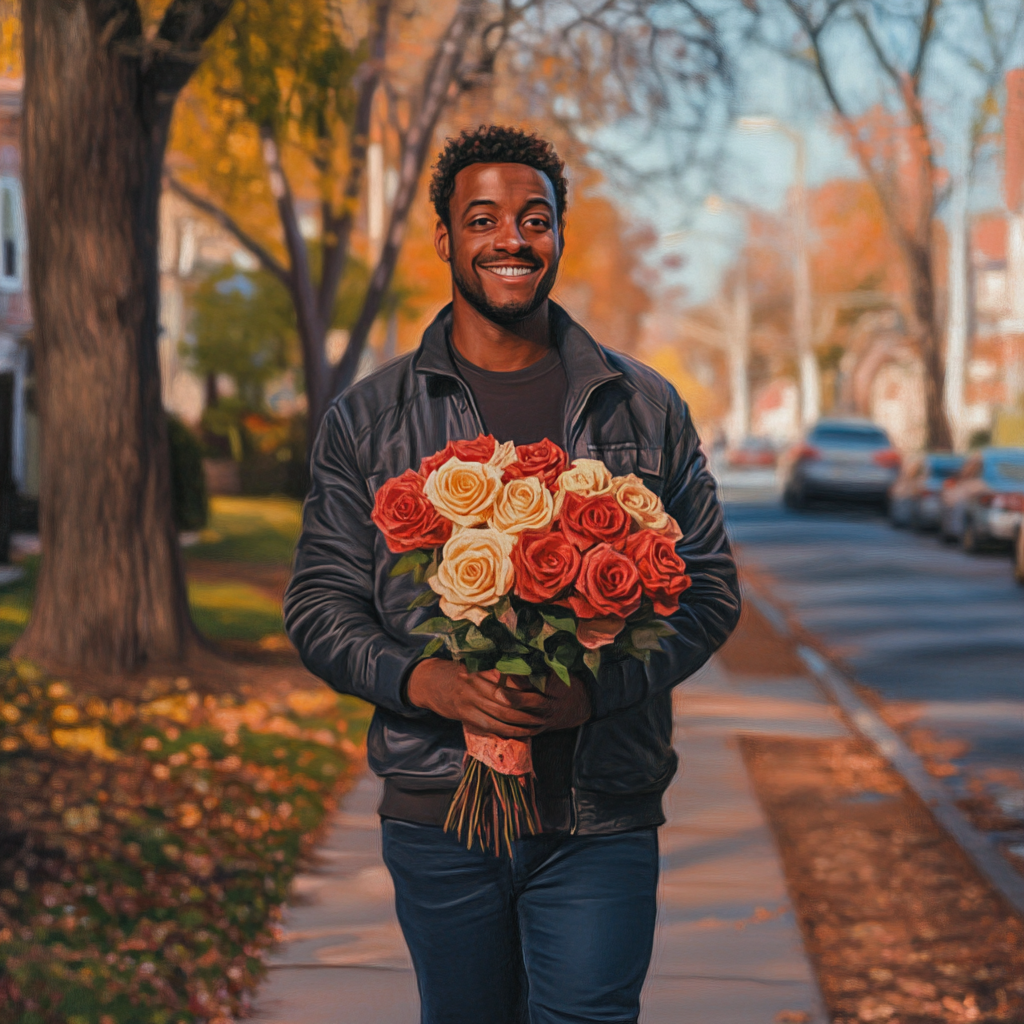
[[487, 723]]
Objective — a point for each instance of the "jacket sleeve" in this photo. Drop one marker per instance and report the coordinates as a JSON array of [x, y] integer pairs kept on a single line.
[[710, 608], [329, 610]]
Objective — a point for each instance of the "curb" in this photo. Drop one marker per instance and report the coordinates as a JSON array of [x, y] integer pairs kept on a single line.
[[868, 724]]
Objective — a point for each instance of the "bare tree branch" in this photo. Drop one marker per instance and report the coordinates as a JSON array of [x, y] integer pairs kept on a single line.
[[226, 221]]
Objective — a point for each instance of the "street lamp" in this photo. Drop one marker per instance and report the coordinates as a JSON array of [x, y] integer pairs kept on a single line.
[[737, 333], [803, 328]]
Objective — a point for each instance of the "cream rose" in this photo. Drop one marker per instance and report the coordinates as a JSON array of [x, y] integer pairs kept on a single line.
[[475, 572], [587, 477], [524, 504], [644, 506], [464, 492], [504, 455]]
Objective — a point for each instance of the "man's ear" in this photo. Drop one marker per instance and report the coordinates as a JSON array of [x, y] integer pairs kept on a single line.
[[442, 241]]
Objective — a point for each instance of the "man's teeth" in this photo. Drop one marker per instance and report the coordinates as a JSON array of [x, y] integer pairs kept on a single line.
[[511, 271]]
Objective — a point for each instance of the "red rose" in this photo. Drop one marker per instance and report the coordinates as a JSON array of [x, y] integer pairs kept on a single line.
[[405, 516], [545, 564], [543, 459], [597, 520], [480, 449], [608, 585], [662, 571]]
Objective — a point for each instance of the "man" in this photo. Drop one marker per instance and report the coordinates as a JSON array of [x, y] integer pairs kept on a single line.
[[562, 930]]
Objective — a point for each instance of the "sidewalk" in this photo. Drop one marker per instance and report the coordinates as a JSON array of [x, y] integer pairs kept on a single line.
[[727, 949]]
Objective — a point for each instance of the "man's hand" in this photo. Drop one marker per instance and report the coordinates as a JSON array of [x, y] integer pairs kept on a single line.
[[476, 698]]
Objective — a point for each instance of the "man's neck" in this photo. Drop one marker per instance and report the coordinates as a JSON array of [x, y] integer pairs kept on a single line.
[[498, 347]]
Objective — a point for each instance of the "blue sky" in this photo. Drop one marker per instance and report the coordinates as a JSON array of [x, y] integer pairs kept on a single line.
[[757, 169]]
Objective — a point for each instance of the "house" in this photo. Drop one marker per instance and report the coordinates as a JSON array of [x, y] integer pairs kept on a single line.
[[19, 424]]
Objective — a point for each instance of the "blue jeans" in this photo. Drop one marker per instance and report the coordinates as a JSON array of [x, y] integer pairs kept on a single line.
[[560, 932]]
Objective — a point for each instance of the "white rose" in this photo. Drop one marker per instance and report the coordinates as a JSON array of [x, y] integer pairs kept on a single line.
[[475, 573], [524, 504], [464, 492], [586, 477]]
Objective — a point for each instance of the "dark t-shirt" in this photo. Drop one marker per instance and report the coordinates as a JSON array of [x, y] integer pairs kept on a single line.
[[523, 406]]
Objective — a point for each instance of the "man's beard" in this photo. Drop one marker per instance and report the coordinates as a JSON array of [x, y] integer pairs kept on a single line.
[[510, 313]]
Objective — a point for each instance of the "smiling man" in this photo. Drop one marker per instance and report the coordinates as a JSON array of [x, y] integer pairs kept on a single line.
[[562, 930]]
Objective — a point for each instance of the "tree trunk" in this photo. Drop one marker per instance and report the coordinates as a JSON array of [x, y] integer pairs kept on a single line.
[[111, 593], [929, 337]]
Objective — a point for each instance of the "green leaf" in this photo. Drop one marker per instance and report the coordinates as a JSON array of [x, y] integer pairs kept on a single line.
[[428, 597], [566, 654], [408, 562], [433, 647], [592, 659], [472, 663], [558, 668], [513, 667], [475, 640], [539, 681], [662, 628], [433, 566], [645, 639], [438, 626], [560, 623]]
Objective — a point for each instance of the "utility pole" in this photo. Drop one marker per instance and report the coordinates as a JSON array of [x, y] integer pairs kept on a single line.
[[739, 356], [803, 326], [957, 314], [803, 323]]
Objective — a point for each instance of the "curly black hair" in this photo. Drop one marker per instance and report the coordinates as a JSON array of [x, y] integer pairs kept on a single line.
[[494, 144]]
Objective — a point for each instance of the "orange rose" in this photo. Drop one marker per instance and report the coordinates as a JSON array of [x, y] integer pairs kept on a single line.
[[662, 571], [406, 517], [608, 585], [480, 449]]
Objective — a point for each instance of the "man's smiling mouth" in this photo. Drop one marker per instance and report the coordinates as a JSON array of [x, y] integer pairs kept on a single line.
[[510, 271]]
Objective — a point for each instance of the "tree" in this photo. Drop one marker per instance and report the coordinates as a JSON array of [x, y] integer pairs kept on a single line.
[[100, 86], [242, 327], [904, 47], [286, 107]]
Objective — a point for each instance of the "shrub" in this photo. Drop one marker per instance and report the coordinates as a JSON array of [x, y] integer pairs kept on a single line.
[[188, 486]]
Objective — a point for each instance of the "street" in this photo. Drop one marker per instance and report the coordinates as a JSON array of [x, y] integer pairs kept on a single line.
[[939, 632]]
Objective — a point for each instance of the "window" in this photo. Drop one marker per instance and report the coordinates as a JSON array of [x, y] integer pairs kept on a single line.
[[12, 236]]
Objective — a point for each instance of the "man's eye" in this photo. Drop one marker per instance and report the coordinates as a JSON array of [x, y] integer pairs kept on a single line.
[[537, 222], [479, 222]]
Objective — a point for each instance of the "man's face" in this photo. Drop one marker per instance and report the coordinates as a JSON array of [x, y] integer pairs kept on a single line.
[[504, 242]]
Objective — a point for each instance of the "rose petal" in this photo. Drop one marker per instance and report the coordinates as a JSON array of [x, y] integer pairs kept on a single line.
[[594, 633]]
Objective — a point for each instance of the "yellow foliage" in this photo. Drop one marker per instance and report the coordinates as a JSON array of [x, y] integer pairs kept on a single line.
[[90, 739], [310, 703], [178, 708], [65, 714], [701, 400]]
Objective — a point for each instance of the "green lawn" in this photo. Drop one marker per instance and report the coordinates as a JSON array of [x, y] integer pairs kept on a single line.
[[259, 531]]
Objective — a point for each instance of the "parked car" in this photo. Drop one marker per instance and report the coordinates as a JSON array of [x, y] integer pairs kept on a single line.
[[983, 503], [840, 458], [1018, 556], [751, 453], [915, 499]]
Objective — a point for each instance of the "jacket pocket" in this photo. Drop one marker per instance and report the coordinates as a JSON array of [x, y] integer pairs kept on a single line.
[[630, 752], [629, 457]]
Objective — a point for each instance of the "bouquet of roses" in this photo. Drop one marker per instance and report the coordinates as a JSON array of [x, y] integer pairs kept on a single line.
[[538, 567]]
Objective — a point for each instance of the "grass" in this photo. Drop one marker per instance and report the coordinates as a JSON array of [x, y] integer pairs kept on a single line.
[[233, 611], [262, 530]]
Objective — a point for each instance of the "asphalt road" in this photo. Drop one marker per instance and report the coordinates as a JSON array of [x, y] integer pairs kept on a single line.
[[917, 620]]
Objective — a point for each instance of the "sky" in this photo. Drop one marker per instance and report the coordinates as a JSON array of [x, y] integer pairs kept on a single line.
[[758, 169]]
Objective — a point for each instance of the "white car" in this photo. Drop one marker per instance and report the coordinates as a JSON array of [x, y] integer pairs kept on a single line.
[[984, 503]]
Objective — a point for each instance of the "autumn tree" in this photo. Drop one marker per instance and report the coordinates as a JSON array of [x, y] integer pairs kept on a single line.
[[281, 117], [908, 52], [101, 80]]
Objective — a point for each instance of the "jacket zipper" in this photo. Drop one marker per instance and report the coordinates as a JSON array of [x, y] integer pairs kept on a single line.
[[574, 811]]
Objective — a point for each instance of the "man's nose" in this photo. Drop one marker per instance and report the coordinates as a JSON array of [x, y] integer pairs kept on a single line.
[[508, 238]]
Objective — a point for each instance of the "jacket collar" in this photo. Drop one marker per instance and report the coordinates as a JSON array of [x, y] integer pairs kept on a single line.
[[586, 366]]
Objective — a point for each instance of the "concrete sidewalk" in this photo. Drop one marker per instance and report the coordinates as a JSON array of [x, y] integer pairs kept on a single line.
[[727, 949]]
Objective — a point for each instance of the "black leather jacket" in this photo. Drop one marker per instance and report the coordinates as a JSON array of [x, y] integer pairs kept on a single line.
[[350, 620]]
